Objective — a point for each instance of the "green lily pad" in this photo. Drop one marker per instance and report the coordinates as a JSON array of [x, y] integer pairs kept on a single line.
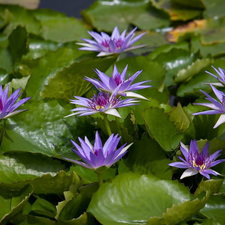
[[89, 176], [161, 128], [179, 213], [20, 166], [18, 83], [167, 48], [173, 61], [5, 18], [199, 82], [192, 70], [210, 222], [180, 118], [214, 50], [38, 47], [42, 207], [69, 81], [150, 160], [199, 4], [6, 60], [73, 209], [30, 219], [214, 8], [4, 42], [59, 28], [84, 218], [151, 39], [48, 134], [214, 208], [4, 77], [47, 67], [176, 11], [120, 201], [212, 185], [202, 128], [13, 203], [222, 189], [68, 196], [46, 184], [19, 34], [105, 15], [22, 17], [156, 99], [151, 70]]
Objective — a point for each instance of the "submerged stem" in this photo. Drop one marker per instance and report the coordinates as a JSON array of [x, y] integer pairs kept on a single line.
[[100, 180], [2, 131], [119, 130], [107, 125]]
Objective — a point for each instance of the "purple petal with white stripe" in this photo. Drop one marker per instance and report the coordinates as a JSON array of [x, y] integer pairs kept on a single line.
[[217, 106], [115, 44], [99, 156], [101, 103], [117, 80], [196, 162], [8, 105]]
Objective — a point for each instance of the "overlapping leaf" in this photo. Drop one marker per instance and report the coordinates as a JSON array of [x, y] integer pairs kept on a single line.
[[151, 39], [57, 27], [46, 184], [6, 60], [161, 128], [47, 67], [174, 60], [214, 50], [23, 166], [44, 130], [123, 13], [17, 51], [120, 201], [214, 9], [199, 4], [148, 160], [5, 18], [22, 17], [176, 11], [12, 203], [89, 176], [150, 70], [200, 81], [69, 82], [214, 208]]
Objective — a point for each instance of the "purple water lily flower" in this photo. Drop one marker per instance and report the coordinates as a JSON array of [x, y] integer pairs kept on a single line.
[[8, 105], [221, 74], [98, 156], [101, 103], [107, 45], [218, 107], [109, 84], [196, 162]]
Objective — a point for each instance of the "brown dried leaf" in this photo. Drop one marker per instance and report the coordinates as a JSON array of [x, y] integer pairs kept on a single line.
[[29, 4], [172, 36]]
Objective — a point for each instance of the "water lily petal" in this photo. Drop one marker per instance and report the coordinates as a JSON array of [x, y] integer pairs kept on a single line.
[[188, 172]]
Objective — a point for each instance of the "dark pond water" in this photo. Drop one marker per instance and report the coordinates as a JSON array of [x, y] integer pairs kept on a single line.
[[69, 7]]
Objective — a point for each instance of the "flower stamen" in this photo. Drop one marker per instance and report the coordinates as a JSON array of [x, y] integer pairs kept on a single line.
[[196, 161]]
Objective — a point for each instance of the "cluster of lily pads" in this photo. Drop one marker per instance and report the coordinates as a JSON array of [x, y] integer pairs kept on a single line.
[[144, 98]]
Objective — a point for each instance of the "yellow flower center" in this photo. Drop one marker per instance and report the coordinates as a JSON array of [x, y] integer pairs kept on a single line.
[[200, 166], [99, 107]]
